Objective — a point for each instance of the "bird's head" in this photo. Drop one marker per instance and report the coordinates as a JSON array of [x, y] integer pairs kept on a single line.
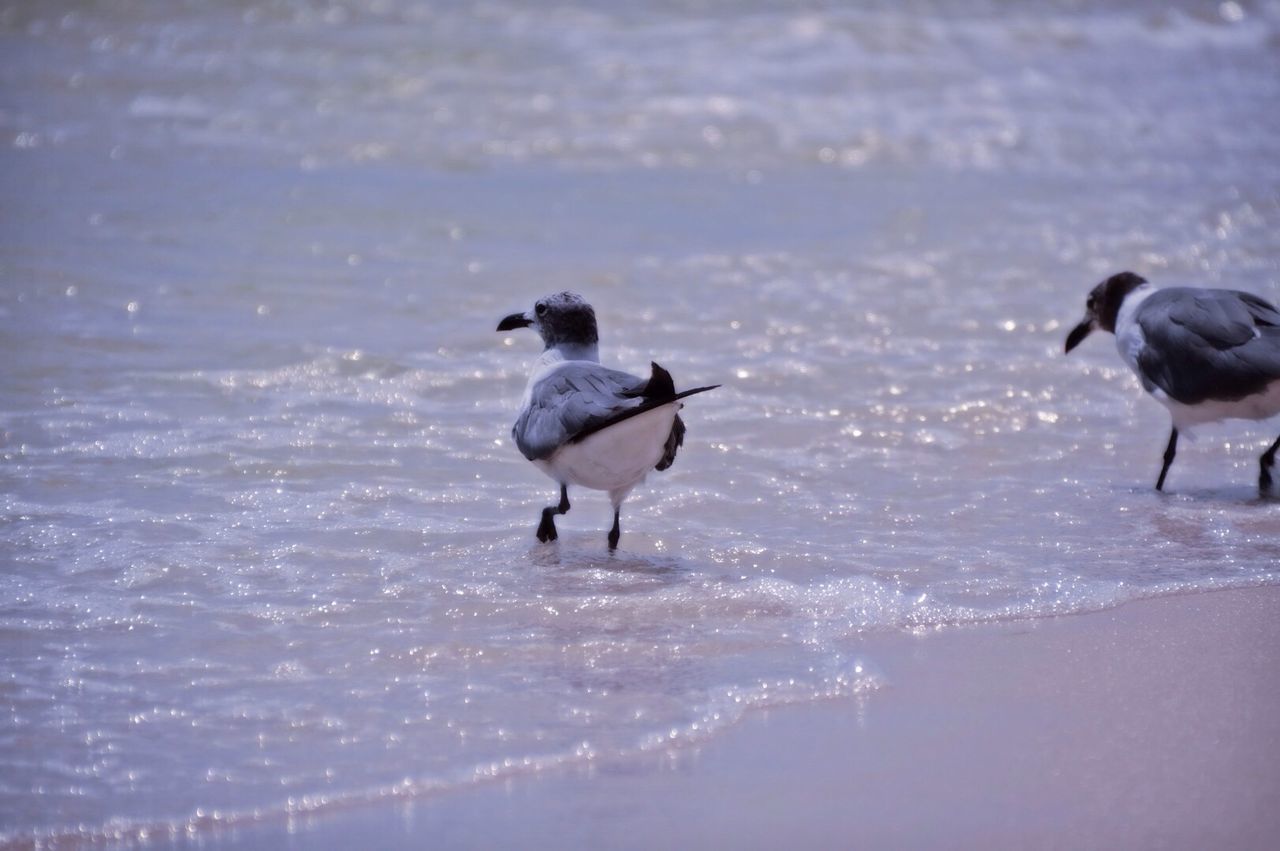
[[563, 319], [1103, 306]]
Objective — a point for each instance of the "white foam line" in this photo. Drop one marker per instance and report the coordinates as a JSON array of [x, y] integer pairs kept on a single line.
[[728, 706]]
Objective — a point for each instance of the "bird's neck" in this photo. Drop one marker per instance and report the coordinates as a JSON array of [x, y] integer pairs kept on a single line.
[[1129, 338], [571, 351], [556, 355], [1129, 306]]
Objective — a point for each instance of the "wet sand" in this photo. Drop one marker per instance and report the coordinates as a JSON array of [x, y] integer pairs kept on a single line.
[[1155, 724]]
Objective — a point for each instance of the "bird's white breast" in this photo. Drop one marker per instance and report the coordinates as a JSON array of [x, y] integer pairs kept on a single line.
[[617, 458]]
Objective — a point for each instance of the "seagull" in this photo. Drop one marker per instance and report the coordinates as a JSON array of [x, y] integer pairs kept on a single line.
[[1205, 354], [585, 424]]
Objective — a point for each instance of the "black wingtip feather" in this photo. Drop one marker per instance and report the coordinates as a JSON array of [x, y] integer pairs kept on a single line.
[[659, 390], [684, 393], [661, 385]]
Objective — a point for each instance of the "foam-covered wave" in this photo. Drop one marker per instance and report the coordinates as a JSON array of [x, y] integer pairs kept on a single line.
[[720, 709]]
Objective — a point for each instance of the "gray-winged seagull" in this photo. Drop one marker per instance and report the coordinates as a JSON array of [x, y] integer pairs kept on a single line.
[[585, 424], [1204, 354]]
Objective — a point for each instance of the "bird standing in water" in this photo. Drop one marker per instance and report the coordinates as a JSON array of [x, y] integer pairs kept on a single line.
[[1206, 355], [585, 424]]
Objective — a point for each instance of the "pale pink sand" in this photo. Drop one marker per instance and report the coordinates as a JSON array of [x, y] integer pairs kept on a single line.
[[1153, 725]]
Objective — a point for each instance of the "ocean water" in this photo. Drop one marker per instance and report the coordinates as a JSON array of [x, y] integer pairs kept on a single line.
[[266, 545]]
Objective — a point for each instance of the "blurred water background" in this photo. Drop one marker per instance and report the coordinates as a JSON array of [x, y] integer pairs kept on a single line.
[[267, 547]]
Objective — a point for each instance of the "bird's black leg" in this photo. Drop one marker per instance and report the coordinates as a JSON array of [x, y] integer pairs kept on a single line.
[[547, 528], [1267, 461], [1169, 451], [615, 533]]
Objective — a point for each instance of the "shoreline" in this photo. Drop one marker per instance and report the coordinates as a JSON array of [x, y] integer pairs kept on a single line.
[[1153, 723]]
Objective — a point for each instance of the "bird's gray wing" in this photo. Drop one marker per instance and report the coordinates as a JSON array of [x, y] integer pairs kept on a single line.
[[1208, 344], [575, 398]]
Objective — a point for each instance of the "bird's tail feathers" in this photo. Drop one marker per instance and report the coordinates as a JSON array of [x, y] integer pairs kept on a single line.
[[674, 441]]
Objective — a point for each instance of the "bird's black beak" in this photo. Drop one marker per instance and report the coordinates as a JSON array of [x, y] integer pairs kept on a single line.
[[1078, 333], [515, 320]]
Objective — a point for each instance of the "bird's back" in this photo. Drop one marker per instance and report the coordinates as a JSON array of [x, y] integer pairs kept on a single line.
[[1208, 345], [570, 399]]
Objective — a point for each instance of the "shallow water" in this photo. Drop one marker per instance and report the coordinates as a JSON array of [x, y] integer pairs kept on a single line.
[[268, 546]]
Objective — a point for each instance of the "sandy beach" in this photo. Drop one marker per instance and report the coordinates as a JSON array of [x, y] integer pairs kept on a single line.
[[1151, 725]]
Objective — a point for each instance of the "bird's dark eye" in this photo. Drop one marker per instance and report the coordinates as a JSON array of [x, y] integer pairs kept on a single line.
[[540, 308]]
